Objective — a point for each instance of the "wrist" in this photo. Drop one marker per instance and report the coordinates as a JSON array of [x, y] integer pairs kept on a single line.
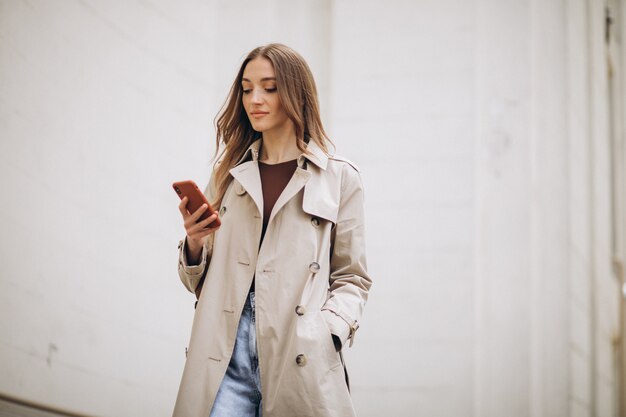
[[194, 251]]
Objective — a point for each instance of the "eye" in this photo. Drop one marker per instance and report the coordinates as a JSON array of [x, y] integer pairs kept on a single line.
[[270, 90], [246, 91]]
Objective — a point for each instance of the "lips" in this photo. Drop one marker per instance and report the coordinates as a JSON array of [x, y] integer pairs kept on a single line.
[[258, 114]]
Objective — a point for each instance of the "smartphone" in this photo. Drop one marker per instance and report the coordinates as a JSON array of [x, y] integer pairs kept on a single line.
[[195, 199]]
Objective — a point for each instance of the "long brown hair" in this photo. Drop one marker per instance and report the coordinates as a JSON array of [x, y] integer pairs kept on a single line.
[[298, 97]]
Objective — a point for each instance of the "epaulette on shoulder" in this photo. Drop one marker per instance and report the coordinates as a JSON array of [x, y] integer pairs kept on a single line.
[[346, 160]]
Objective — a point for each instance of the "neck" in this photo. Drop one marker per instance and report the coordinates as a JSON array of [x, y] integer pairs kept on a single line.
[[279, 147]]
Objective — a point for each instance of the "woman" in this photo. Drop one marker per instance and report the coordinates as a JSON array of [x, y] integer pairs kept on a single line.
[[281, 284]]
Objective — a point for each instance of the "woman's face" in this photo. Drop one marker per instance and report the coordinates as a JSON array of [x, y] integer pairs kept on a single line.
[[260, 97]]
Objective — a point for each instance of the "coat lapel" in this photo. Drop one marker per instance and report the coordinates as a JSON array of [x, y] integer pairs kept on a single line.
[[247, 174], [319, 200], [315, 200], [295, 184]]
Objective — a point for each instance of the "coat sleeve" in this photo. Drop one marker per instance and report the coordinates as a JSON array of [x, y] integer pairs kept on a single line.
[[191, 275], [349, 280]]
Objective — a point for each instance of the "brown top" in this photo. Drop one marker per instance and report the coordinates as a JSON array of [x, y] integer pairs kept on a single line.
[[274, 179]]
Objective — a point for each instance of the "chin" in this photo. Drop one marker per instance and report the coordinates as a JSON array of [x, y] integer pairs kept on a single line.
[[260, 128]]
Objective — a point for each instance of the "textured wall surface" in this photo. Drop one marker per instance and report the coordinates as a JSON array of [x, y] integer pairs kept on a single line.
[[402, 94], [482, 134], [103, 105]]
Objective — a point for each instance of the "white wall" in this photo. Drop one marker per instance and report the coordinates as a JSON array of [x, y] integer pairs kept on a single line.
[[605, 290], [580, 303], [481, 132], [103, 105], [402, 99]]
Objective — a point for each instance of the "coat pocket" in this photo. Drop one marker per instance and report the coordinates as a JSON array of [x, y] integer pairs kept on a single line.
[[334, 360]]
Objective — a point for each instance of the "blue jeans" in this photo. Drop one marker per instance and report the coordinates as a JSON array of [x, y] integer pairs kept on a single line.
[[240, 392]]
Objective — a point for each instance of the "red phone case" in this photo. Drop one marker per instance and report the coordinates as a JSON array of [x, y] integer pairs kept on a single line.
[[195, 199]]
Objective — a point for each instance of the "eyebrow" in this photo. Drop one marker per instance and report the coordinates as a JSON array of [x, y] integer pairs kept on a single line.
[[262, 79]]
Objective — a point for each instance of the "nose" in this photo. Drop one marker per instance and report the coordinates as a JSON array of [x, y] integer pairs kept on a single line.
[[256, 96]]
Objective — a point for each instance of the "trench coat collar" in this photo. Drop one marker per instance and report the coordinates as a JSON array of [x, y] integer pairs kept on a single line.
[[316, 155], [248, 179], [253, 150]]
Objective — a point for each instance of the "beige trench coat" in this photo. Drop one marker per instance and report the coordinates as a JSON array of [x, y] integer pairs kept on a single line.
[[311, 282]]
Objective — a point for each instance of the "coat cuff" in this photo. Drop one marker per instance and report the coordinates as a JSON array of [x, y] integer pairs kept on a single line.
[[191, 269], [191, 273], [340, 325]]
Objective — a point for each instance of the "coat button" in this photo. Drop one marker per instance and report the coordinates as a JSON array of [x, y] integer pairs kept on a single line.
[[314, 267], [315, 221], [222, 210], [300, 310], [301, 360]]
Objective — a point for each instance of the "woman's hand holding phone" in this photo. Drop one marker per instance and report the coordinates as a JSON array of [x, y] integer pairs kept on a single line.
[[197, 216], [197, 231]]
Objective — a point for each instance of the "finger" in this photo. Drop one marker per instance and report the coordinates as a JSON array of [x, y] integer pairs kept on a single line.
[[182, 207], [203, 224], [206, 223], [191, 220], [196, 214], [201, 233]]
